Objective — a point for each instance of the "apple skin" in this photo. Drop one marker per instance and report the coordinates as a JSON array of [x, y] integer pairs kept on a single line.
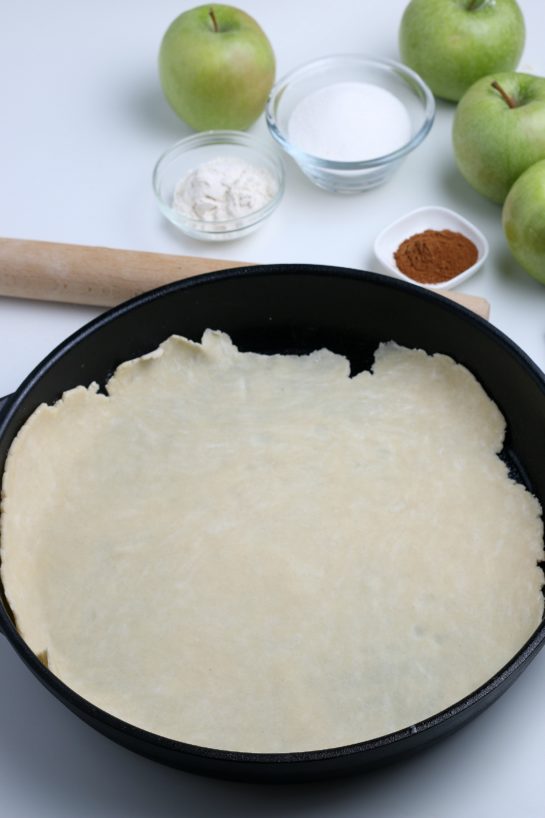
[[523, 220], [493, 143], [216, 79], [452, 43]]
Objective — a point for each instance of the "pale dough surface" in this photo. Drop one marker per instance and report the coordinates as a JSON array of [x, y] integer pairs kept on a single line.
[[260, 553]]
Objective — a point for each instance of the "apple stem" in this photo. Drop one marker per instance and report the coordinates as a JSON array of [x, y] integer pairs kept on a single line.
[[474, 5], [508, 99], [213, 17]]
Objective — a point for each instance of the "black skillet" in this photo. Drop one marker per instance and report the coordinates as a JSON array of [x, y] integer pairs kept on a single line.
[[295, 309]]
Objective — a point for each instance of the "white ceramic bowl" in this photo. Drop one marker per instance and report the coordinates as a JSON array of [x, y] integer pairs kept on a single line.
[[353, 176], [428, 218], [187, 154]]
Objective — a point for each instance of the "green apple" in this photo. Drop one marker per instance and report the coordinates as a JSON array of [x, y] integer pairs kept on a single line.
[[452, 43], [523, 219], [499, 131], [216, 67]]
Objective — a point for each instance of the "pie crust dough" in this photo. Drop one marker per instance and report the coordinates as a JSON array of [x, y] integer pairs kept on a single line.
[[261, 553]]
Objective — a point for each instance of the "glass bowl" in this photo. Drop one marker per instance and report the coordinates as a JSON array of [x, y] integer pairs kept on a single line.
[[188, 154], [351, 176]]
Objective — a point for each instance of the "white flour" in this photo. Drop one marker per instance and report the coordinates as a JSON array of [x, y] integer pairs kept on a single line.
[[223, 188], [350, 122]]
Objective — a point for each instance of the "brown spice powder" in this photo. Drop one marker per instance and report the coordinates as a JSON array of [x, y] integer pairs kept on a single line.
[[435, 256]]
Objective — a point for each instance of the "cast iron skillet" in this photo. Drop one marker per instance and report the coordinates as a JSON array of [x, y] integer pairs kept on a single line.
[[295, 309]]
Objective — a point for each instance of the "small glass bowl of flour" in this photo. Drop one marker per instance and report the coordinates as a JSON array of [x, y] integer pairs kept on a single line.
[[218, 185], [348, 121]]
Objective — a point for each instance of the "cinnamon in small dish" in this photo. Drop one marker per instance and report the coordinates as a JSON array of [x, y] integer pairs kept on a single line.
[[435, 256]]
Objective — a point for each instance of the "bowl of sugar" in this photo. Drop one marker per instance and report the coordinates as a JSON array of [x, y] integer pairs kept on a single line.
[[348, 121]]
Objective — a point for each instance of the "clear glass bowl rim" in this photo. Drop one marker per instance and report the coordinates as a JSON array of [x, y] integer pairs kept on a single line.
[[202, 139], [308, 68]]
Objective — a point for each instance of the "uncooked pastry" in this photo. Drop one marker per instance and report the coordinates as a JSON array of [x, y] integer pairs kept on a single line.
[[260, 553]]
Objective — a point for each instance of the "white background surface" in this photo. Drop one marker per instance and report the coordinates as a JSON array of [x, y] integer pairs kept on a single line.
[[83, 121]]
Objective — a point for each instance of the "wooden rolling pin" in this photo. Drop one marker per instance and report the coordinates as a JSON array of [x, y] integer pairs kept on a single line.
[[104, 277]]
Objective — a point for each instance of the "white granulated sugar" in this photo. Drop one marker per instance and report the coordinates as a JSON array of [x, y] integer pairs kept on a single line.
[[350, 122], [223, 188]]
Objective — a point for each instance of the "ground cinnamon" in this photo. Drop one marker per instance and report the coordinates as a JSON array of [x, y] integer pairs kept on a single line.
[[434, 256]]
